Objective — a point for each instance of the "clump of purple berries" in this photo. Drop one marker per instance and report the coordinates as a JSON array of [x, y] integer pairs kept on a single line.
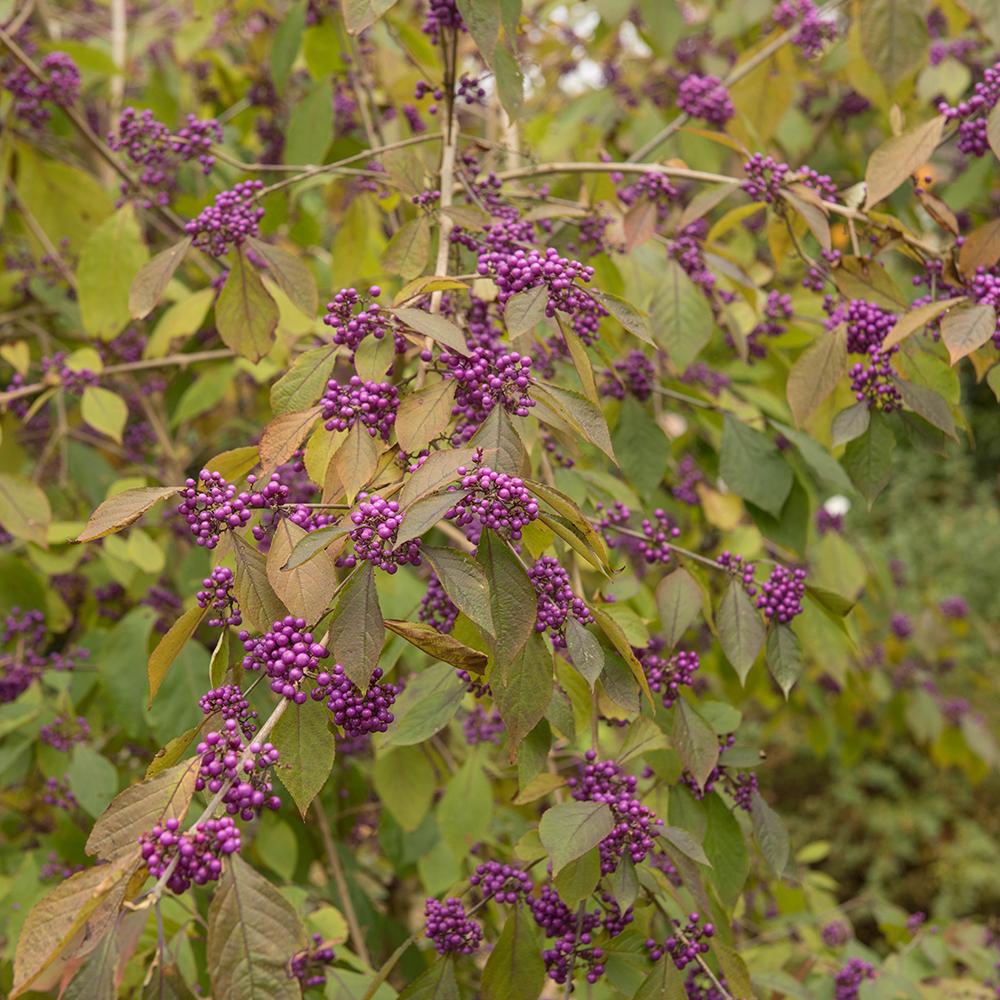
[[199, 852], [309, 965], [377, 523], [357, 713], [217, 593], [229, 220], [556, 600], [450, 929], [814, 30], [781, 594], [231, 703], [668, 675], [497, 501], [372, 404], [61, 87], [705, 97], [847, 982], [352, 318], [62, 733], [685, 943], [504, 883], [285, 654]]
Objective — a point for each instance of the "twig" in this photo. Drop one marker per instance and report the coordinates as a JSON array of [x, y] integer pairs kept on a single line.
[[337, 870], [119, 46]]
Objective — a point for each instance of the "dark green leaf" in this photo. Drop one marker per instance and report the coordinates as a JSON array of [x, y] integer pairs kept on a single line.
[[245, 314], [579, 878], [585, 650], [259, 604], [523, 694], [570, 829], [741, 630], [426, 706], [465, 583], [752, 467], [784, 657], [436, 983], [868, 458], [695, 741], [513, 602], [515, 967], [678, 599], [356, 630], [151, 282], [726, 849], [682, 317], [290, 274], [770, 833], [307, 749], [303, 383]]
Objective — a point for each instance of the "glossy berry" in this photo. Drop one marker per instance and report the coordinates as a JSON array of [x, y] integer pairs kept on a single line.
[[495, 500], [556, 600], [229, 220], [217, 593], [357, 713], [309, 965], [377, 523], [450, 929], [504, 883], [372, 404], [781, 594], [286, 654]]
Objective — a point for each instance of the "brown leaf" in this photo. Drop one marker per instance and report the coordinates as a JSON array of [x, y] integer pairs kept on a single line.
[[283, 436], [965, 330], [151, 282], [290, 274], [424, 415], [639, 224], [896, 159], [305, 590], [356, 460], [980, 249], [245, 314], [916, 318], [816, 372], [122, 509], [437, 644]]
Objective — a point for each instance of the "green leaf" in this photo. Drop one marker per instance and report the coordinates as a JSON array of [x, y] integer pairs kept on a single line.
[[109, 262], [726, 848], [868, 458], [575, 519], [424, 415], [252, 931], [784, 657], [92, 778], [305, 590], [466, 808], [285, 45], [930, 405], [695, 741], [515, 967], [741, 630], [105, 411], [663, 983], [816, 373], [522, 694], [405, 783], [579, 878], [525, 310], [623, 883], [152, 279], [310, 127], [245, 314], [259, 604], [219, 664], [569, 830], [437, 472], [894, 41], [610, 627], [436, 983], [850, 424], [439, 645], [482, 18], [425, 513], [315, 542], [25, 511], [464, 582], [642, 448], [169, 646], [510, 81], [752, 467], [435, 326], [678, 600], [356, 460], [96, 978], [503, 449], [585, 650], [204, 393], [178, 322], [307, 749], [407, 252], [682, 317], [770, 834], [374, 358], [513, 601], [356, 628], [428, 703], [579, 412], [684, 842], [290, 274], [303, 383], [361, 14]]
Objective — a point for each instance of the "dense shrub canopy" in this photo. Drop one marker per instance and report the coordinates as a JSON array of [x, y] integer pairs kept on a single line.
[[489, 502]]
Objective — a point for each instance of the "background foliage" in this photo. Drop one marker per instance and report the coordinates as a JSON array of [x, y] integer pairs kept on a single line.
[[787, 361]]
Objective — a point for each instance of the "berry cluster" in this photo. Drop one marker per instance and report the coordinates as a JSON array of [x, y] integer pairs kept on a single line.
[[373, 404], [353, 317], [230, 702], [309, 965], [57, 793], [740, 569], [836, 933], [668, 675], [705, 97], [517, 270], [62, 733], [659, 530], [199, 852], [357, 713], [766, 176], [230, 220], [847, 982], [781, 594], [436, 607], [777, 312], [217, 593], [688, 478], [481, 726], [635, 824], [62, 87], [285, 654], [441, 15], [488, 377], [151, 145], [450, 929], [827, 521], [956, 607], [73, 380], [654, 188], [556, 600], [221, 756], [377, 525], [22, 653], [574, 938], [504, 883], [685, 943], [211, 505], [973, 113], [495, 500], [634, 374], [814, 30]]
